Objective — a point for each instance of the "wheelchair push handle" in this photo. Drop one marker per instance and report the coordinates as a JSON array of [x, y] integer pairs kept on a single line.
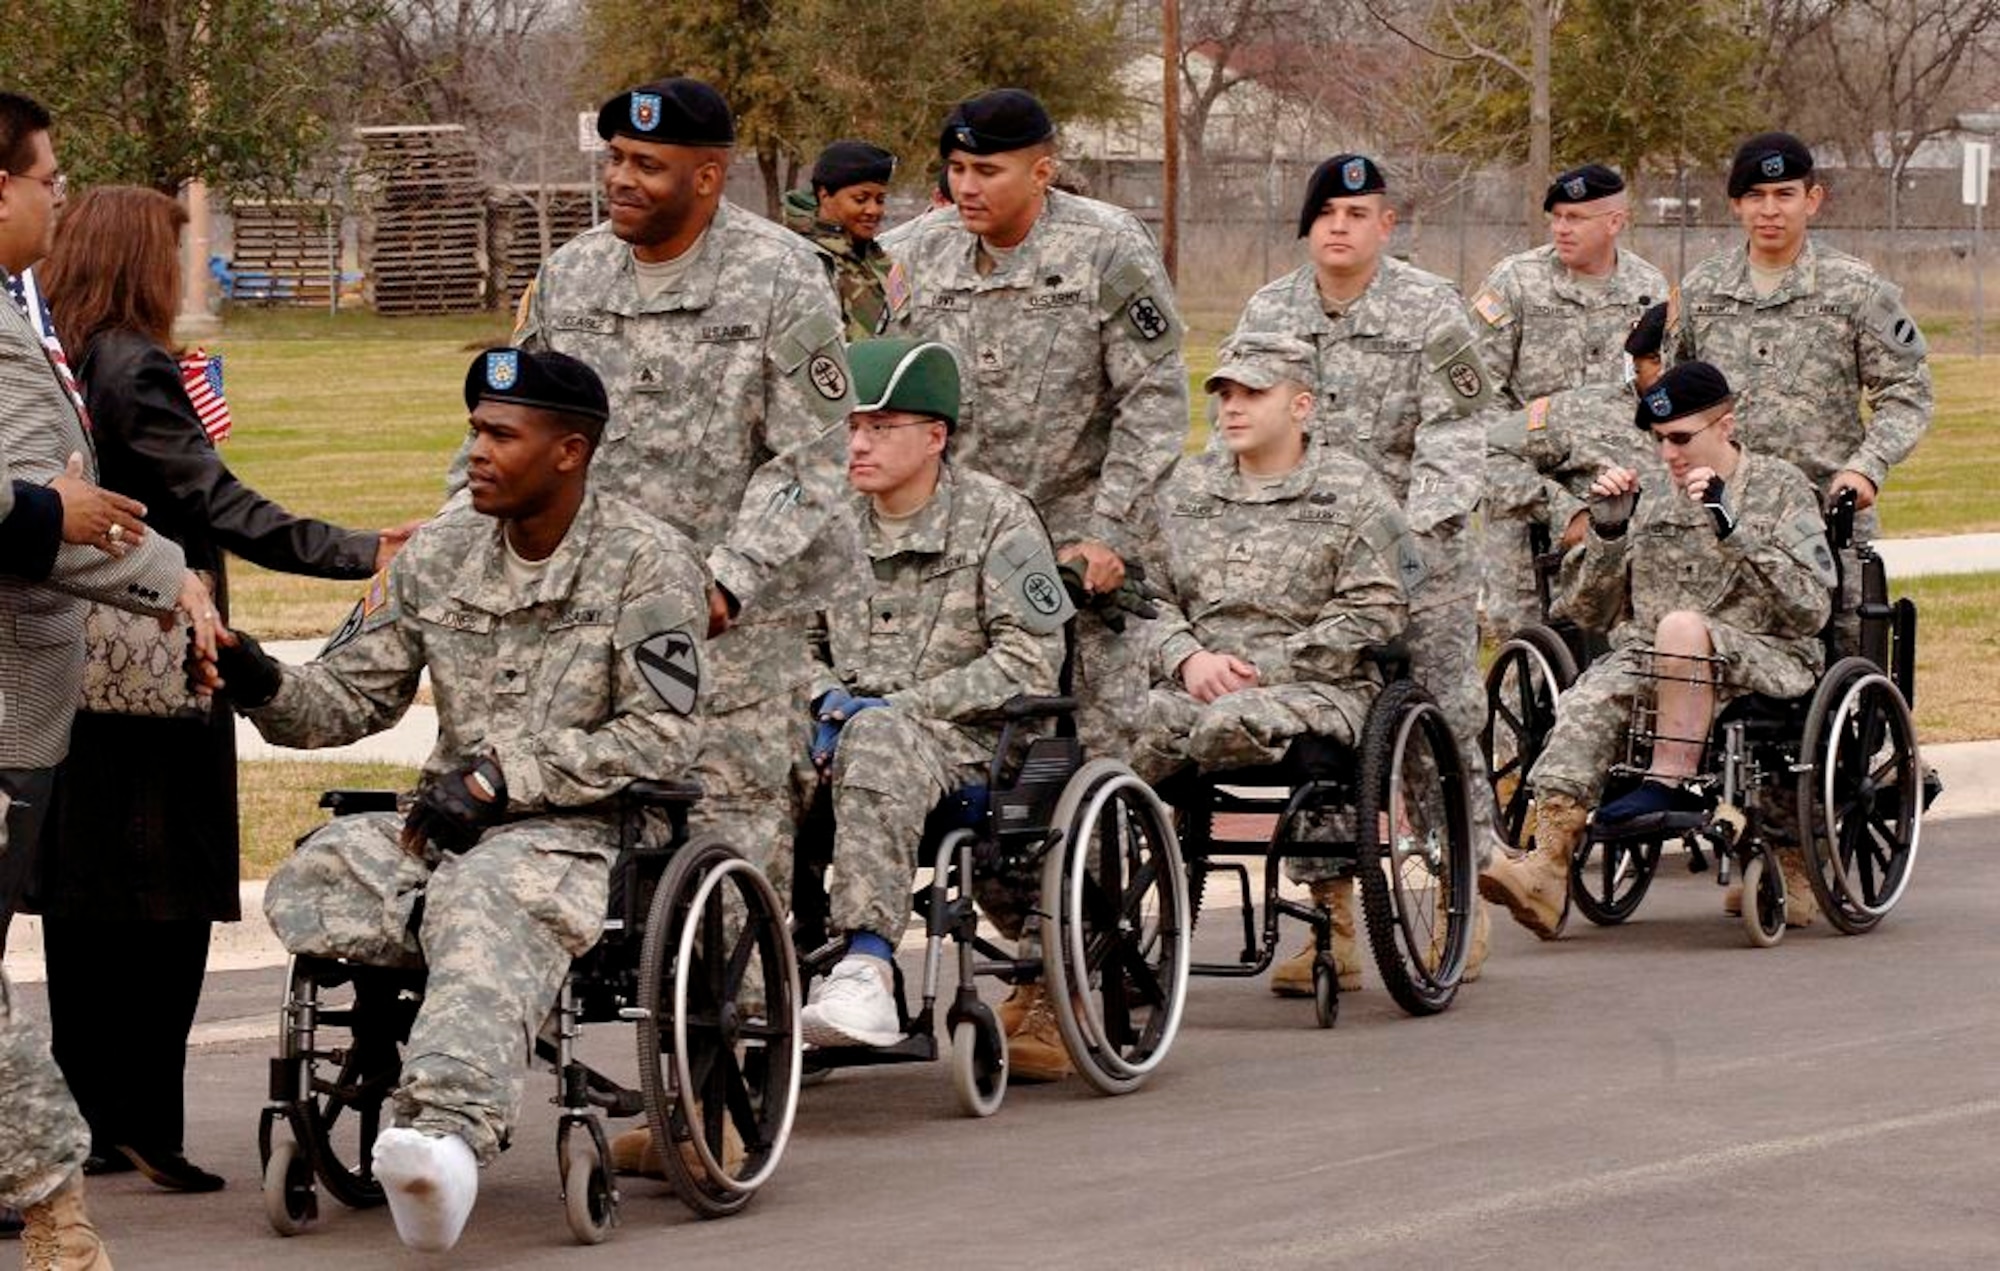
[[1840, 519], [1027, 706]]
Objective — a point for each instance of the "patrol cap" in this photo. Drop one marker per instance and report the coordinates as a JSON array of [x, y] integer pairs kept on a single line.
[[1767, 157], [1686, 389], [549, 381], [846, 163], [672, 112], [996, 122], [1581, 185], [1260, 359], [919, 376], [1345, 176], [1648, 333]]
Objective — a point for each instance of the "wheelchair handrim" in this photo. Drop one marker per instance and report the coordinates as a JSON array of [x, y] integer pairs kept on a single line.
[[684, 1073], [1828, 840]]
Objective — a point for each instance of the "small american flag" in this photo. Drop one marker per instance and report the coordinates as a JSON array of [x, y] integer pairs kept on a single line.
[[201, 375]]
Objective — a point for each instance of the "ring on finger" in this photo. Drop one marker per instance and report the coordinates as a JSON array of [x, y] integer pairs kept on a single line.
[[115, 533]]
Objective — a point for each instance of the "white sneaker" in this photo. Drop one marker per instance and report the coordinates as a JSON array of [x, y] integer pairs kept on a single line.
[[853, 1006], [431, 1181]]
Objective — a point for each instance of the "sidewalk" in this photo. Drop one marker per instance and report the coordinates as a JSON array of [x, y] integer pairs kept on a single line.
[[1969, 791]]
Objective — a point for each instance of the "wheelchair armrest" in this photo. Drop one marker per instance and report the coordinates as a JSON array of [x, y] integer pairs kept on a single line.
[[1025, 706], [1391, 658], [664, 794], [351, 802]]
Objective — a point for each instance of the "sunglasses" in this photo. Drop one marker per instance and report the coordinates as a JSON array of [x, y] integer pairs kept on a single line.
[[1683, 438]]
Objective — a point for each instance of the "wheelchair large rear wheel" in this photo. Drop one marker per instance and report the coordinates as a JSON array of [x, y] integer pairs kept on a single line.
[[1414, 849], [1860, 795], [1607, 880], [1114, 926], [1529, 672], [718, 1046]]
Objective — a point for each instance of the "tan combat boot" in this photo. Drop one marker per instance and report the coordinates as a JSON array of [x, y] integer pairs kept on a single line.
[[1294, 976], [1535, 888], [1475, 949], [1035, 1050], [637, 1152], [1801, 906], [58, 1235]]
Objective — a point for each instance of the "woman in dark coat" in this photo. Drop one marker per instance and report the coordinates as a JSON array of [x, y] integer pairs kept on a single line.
[[140, 853]]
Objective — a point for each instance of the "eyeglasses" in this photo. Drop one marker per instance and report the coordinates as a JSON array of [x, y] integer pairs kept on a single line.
[[58, 184], [1683, 438], [874, 429]]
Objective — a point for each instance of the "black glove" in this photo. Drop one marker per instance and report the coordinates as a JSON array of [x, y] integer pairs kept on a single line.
[[250, 676], [453, 810], [1718, 512], [1134, 596], [1610, 514]]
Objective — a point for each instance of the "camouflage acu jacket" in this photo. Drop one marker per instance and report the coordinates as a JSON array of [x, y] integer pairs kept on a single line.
[[963, 612], [1075, 390], [860, 272], [1803, 358], [1298, 578], [1400, 383], [1566, 439], [1772, 577], [582, 683], [729, 398]]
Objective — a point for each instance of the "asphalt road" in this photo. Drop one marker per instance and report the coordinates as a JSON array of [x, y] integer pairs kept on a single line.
[[1659, 1095]]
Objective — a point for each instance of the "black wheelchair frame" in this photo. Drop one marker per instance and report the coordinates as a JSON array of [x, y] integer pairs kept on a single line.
[[1420, 940], [719, 1074], [1847, 750], [1095, 846]]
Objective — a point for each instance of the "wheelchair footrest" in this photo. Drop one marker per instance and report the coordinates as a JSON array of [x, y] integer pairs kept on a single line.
[[917, 1048], [1653, 825]]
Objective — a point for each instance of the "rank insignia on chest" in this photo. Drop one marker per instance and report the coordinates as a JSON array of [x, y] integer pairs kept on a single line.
[[1240, 553]]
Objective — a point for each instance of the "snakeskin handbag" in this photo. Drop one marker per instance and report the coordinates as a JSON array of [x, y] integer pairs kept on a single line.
[[131, 667]]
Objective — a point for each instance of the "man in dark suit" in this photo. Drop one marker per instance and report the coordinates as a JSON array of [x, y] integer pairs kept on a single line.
[[43, 430], [42, 1136]]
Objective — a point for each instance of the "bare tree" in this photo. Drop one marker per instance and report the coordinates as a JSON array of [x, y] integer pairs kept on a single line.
[[1879, 78], [1454, 36]]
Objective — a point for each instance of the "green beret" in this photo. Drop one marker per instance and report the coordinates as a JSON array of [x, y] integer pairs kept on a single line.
[[919, 376]]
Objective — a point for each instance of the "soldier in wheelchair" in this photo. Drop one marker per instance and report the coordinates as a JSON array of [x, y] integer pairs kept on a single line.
[[1286, 572], [562, 633], [958, 644], [1713, 588]]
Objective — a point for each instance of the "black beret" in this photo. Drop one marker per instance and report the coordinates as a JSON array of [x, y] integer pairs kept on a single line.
[[1686, 389], [1344, 176], [549, 381], [1648, 333], [846, 163], [1581, 185], [995, 123], [1768, 156], [673, 112]]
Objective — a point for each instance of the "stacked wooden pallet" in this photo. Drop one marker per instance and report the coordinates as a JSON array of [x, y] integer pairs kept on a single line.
[[283, 252], [424, 230], [515, 239]]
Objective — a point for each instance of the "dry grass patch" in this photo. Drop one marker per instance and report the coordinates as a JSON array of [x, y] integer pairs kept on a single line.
[[1949, 485], [280, 801], [1958, 655]]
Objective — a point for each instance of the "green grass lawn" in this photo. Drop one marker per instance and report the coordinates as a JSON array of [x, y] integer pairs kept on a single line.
[[279, 801]]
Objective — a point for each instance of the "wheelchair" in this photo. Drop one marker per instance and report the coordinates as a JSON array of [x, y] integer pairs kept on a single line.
[[1835, 772], [1398, 813], [718, 1072], [1091, 849]]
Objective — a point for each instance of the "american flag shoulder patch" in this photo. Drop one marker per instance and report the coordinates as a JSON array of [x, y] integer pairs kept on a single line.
[[1538, 414]]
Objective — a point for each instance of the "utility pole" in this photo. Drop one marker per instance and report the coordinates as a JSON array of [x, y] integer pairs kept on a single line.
[[1170, 136]]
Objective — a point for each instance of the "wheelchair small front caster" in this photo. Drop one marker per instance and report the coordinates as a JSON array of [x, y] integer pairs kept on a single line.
[[1326, 991]]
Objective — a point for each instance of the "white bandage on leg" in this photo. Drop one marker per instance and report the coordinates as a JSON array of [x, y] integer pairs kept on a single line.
[[431, 1182]]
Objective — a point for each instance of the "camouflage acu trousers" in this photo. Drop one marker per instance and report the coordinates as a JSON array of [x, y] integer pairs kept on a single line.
[[750, 770], [1109, 680], [1507, 587], [1443, 639], [889, 771], [499, 928], [1246, 728], [43, 1139]]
